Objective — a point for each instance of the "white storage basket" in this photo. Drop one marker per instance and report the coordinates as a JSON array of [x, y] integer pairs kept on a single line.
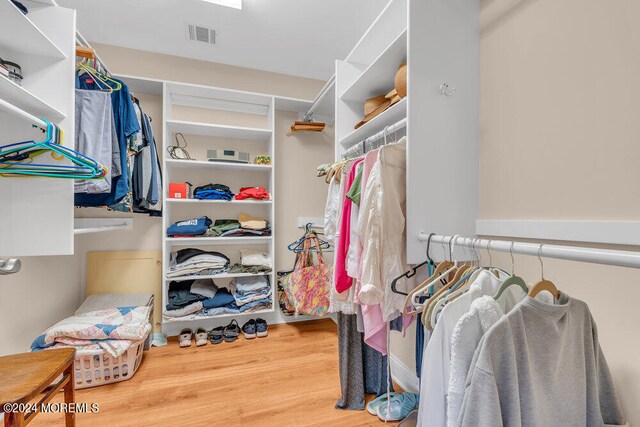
[[94, 369]]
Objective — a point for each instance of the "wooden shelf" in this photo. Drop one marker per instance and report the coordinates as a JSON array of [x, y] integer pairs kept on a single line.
[[206, 129], [221, 202], [196, 164], [220, 240], [216, 276], [18, 34], [378, 123], [26, 101], [377, 79]]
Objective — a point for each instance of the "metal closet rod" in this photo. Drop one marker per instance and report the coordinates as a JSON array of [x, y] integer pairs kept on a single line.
[[386, 131], [324, 91], [629, 259], [12, 109]]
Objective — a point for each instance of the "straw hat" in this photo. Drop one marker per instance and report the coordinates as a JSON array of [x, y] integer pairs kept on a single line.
[[378, 104], [373, 107]]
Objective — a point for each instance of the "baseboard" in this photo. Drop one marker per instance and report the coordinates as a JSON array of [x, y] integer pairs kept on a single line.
[[403, 375]]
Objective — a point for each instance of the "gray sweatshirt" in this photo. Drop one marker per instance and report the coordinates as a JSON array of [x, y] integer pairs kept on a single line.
[[541, 365]]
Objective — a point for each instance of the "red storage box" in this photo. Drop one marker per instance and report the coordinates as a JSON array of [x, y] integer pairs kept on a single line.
[[179, 190]]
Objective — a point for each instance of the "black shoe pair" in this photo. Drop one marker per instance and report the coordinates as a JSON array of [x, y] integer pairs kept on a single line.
[[255, 328], [227, 333]]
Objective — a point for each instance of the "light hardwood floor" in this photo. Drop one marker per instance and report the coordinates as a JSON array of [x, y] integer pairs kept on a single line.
[[289, 378]]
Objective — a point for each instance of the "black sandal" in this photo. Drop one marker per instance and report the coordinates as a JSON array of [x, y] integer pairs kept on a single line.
[[231, 331], [215, 335]]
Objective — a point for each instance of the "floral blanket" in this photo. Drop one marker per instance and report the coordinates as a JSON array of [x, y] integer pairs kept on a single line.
[[112, 330]]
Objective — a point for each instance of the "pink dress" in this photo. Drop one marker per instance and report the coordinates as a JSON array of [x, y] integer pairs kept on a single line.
[[342, 280]]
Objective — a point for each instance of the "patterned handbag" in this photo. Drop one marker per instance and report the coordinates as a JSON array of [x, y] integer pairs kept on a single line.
[[307, 287], [285, 306]]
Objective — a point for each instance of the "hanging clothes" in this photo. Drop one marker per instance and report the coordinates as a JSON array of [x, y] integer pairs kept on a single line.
[[385, 240], [541, 364], [126, 124]]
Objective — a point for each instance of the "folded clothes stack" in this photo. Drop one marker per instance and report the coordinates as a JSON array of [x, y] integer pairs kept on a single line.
[[197, 262], [195, 297], [251, 293], [258, 193], [213, 192], [245, 225], [190, 227], [252, 261]]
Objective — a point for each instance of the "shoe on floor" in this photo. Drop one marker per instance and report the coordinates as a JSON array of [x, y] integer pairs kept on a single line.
[[201, 337], [372, 407], [399, 407], [249, 329], [261, 328], [184, 339], [231, 331], [215, 335]]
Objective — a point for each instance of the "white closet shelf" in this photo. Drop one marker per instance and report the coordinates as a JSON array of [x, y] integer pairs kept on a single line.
[[216, 276], [378, 123], [141, 84], [219, 316], [206, 129], [195, 164], [221, 202], [192, 95], [377, 79], [21, 98], [19, 34], [98, 225], [220, 240]]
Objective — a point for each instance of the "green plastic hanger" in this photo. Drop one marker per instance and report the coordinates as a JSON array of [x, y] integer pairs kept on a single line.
[[511, 280]]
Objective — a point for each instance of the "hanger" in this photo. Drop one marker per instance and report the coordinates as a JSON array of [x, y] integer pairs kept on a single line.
[[410, 299], [298, 245], [543, 284], [17, 159], [511, 280], [446, 287], [412, 272]]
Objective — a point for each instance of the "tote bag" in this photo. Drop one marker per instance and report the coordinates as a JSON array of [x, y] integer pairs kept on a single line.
[[307, 287]]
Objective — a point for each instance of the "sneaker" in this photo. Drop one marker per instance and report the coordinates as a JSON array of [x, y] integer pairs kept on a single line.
[[249, 329], [398, 407], [372, 407], [262, 328]]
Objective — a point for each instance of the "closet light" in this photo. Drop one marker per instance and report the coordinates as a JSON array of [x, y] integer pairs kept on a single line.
[[236, 4]]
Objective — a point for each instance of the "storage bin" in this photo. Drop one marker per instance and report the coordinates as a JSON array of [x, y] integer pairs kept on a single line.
[[93, 369]]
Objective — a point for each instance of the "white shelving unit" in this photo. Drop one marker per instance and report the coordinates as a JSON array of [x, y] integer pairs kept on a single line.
[[439, 42], [369, 71], [43, 44], [180, 100]]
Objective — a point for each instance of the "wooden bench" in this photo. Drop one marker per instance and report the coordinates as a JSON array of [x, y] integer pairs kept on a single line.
[[24, 376]]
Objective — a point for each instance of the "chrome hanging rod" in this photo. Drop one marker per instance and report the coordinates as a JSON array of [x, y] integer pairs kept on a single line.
[[361, 147], [629, 259], [323, 92], [83, 42]]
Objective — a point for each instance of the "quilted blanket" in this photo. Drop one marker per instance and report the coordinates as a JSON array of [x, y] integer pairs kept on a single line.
[[112, 330]]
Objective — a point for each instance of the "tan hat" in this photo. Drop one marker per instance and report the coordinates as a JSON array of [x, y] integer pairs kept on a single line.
[[373, 107], [400, 81]]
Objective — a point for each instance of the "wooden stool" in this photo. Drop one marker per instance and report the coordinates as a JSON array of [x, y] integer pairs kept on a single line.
[[24, 376]]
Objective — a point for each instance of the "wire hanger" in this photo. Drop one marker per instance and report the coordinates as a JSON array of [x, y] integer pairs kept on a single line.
[[511, 280], [543, 284]]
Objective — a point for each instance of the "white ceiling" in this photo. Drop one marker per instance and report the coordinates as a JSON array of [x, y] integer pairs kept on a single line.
[[296, 37]]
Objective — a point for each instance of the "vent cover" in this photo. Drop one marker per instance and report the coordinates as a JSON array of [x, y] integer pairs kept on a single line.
[[202, 34]]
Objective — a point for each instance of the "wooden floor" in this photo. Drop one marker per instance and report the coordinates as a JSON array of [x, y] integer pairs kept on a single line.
[[289, 378]]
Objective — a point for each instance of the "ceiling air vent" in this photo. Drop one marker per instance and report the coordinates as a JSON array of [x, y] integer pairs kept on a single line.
[[202, 34]]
